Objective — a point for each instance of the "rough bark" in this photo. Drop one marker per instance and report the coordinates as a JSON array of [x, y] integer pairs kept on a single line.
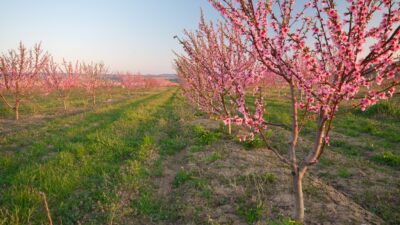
[[65, 102], [298, 197], [296, 173], [16, 109], [17, 100], [94, 99]]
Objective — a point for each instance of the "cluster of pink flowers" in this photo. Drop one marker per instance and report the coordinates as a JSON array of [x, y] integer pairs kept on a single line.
[[338, 65], [61, 78], [324, 54], [216, 72]]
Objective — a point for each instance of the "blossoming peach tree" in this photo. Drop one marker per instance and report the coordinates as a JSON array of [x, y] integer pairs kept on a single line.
[[326, 51], [61, 79], [92, 77], [216, 69], [19, 73]]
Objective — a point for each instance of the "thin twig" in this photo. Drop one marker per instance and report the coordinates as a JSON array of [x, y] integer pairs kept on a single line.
[[47, 207], [5, 101]]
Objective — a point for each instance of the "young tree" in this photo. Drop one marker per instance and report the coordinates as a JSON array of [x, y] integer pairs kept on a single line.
[[131, 81], [343, 53], [139, 81], [19, 71], [92, 75], [62, 79], [109, 86], [214, 66], [4, 88]]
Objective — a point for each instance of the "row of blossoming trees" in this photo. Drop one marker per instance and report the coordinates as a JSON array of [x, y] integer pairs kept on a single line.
[[328, 52], [24, 71]]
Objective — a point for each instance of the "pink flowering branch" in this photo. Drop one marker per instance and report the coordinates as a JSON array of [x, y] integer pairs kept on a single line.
[[337, 56], [210, 68], [92, 76], [62, 79]]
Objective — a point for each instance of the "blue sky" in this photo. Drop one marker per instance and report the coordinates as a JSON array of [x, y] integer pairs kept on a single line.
[[127, 35]]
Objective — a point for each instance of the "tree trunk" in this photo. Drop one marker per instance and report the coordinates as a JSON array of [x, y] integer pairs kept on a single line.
[[65, 103], [16, 97], [296, 172], [298, 197], [229, 128], [16, 109], [94, 99]]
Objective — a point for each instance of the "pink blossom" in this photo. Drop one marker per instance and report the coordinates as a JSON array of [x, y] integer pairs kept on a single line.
[[326, 59], [379, 80], [391, 91]]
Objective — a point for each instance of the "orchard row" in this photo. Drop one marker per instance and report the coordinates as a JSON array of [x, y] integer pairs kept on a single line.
[[23, 71], [324, 54]]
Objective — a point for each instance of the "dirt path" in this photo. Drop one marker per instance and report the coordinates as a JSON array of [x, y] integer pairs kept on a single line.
[[227, 184], [171, 165], [252, 186]]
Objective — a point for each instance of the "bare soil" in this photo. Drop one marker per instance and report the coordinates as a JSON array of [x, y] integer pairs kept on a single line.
[[224, 189]]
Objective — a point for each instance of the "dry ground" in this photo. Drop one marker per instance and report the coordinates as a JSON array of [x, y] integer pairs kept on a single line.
[[152, 159]]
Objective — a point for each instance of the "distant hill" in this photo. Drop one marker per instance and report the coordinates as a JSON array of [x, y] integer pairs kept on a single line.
[[166, 76]]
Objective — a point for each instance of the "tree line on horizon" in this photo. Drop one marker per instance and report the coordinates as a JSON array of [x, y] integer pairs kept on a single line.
[[24, 71]]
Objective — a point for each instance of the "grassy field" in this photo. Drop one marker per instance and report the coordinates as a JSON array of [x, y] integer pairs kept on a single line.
[[149, 158], [363, 158], [39, 104], [80, 161]]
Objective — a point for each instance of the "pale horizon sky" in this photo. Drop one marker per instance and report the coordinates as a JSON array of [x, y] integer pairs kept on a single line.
[[127, 35]]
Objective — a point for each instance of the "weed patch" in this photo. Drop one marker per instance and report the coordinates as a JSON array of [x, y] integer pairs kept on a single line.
[[253, 144], [204, 136], [388, 158], [344, 173], [251, 212], [213, 157]]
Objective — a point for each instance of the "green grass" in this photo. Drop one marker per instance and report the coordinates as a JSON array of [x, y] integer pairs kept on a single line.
[[325, 162], [269, 178], [358, 139], [388, 158], [266, 178], [383, 109], [39, 103], [146, 204], [253, 144], [195, 148], [283, 221], [344, 173], [167, 128], [182, 177], [375, 129], [250, 212], [204, 136], [81, 167], [213, 157], [345, 148], [192, 179], [188, 177], [96, 164]]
